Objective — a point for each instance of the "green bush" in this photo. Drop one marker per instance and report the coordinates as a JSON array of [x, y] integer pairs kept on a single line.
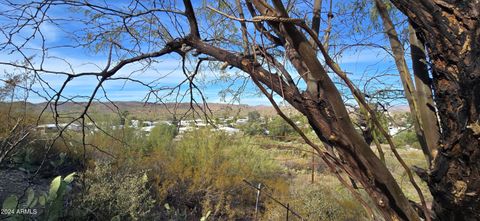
[[253, 128], [280, 129], [108, 192], [161, 136], [407, 137], [58, 158], [195, 175], [253, 116]]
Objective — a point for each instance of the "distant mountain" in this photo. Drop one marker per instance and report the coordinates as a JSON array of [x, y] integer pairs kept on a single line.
[[143, 110], [157, 111], [399, 108]]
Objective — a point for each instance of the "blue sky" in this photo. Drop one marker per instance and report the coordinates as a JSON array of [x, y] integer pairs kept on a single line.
[[360, 62]]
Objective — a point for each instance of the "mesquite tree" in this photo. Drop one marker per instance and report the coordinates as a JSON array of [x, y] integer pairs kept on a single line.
[[451, 33], [274, 43]]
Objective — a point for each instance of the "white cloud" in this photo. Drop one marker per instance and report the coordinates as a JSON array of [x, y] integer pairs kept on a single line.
[[368, 55], [50, 32]]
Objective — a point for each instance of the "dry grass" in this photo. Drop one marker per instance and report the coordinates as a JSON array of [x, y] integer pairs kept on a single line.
[[412, 157], [297, 163]]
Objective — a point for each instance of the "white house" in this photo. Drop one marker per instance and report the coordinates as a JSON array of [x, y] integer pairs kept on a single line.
[[241, 121]]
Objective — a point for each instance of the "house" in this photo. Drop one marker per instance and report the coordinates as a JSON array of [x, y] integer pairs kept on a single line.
[[241, 121], [73, 126], [48, 128], [182, 130], [134, 123], [394, 130], [53, 128], [228, 130], [147, 123], [147, 129]]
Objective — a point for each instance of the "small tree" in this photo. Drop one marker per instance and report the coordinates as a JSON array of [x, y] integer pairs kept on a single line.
[[253, 116], [161, 136], [279, 129]]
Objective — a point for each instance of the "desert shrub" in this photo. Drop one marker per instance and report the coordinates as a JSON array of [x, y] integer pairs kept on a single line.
[[253, 128], [55, 158], [109, 192], [200, 174], [326, 201], [161, 136], [195, 175], [16, 130], [279, 129], [406, 138], [253, 116], [126, 143]]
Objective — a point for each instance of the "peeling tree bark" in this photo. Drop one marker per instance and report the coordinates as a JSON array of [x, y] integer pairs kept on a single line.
[[451, 30], [332, 124]]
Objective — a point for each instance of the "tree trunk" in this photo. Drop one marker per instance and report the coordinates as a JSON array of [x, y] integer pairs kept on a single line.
[[408, 86], [452, 34], [326, 112], [423, 92]]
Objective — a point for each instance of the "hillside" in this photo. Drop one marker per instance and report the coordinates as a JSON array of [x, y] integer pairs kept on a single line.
[[145, 110]]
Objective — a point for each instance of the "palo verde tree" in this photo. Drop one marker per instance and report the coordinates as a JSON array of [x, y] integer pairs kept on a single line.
[[280, 51]]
